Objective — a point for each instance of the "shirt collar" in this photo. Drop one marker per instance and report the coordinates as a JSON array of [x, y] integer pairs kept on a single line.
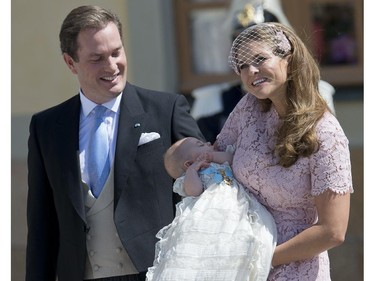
[[88, 105]]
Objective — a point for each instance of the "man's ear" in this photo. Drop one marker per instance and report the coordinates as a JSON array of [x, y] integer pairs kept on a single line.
[[70, 63]]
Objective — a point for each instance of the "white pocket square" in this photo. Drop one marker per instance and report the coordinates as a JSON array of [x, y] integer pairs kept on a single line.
[[147, 137]]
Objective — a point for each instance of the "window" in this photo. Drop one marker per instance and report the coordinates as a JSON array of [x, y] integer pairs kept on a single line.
[[332, 29]]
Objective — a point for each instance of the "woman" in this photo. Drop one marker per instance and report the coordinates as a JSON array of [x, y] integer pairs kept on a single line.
[[291, 151]]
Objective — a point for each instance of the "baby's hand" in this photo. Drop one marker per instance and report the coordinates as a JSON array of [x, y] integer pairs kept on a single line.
[[199, 163]]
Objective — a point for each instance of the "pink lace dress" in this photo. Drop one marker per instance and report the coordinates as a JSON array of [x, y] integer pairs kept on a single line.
[[288, 193]]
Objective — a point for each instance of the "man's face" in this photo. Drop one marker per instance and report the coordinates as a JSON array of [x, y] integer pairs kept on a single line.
[[101, 67]]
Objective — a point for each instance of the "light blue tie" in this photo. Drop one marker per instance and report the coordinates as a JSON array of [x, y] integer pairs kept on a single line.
[[98, 158]]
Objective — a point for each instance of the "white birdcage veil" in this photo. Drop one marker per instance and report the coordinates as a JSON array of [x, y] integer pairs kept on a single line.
[[262, 36]]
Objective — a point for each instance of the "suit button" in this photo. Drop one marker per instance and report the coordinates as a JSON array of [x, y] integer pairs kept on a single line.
[[119, 266], [92, 253], [118, 250], [96, 267]]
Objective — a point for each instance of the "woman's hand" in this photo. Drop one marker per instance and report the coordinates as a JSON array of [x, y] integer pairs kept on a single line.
[[206, 156]]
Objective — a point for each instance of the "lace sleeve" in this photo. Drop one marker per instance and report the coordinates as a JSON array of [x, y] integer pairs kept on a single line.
[[231, 148], [178, 186], [330, 165]]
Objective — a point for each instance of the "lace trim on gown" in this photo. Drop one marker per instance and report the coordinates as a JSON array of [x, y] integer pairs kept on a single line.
[[224, 234]]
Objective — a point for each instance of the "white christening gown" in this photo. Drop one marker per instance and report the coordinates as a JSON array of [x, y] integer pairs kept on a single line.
[[224, 234]]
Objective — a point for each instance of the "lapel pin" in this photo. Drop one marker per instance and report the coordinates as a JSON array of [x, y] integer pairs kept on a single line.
[[136, 125]]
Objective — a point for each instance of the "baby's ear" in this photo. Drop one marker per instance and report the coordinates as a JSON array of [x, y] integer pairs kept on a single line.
[[187, 164]]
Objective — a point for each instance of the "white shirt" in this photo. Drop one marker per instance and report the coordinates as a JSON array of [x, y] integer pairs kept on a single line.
[[87, 121]]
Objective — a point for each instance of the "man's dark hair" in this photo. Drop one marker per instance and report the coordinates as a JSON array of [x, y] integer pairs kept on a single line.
[[81, 18]]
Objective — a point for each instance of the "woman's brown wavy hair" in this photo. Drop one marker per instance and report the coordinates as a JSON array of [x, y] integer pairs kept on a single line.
[[296, 135]]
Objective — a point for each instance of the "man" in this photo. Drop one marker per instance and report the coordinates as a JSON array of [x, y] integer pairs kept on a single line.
[[80, 228]]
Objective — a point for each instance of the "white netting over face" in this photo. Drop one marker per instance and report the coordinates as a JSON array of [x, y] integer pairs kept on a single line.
[[255, 44]]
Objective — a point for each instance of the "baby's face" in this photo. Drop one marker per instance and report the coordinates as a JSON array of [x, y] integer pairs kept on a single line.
[[196, 147]]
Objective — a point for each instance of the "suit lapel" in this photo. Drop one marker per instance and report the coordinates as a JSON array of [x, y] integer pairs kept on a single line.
[[132, 121], [68, 125]]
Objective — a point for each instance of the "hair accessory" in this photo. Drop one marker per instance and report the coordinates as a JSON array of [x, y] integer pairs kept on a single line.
[[283, 42], [256, 44]]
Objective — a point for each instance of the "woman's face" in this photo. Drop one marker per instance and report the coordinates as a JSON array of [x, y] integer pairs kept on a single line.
[[263, 74]]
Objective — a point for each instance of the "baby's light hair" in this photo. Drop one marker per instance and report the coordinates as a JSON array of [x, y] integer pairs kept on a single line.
[[174, 159]]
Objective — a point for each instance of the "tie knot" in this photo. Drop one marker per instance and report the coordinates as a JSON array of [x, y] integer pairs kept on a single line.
[[99, 111]]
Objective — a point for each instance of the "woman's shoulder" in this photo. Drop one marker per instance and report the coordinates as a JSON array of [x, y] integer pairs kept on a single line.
[[330, 133], [247, 105], [329, 123], [248, 100]]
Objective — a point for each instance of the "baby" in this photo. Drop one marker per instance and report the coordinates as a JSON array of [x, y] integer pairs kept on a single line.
[[190, 155], [220, 231]]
